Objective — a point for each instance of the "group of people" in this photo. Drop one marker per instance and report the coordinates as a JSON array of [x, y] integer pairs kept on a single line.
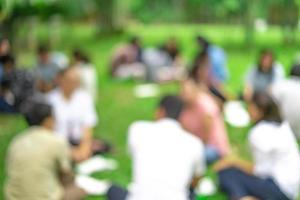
[[170, 154]]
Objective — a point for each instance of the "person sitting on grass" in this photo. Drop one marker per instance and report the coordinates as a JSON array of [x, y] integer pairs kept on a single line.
[[167, 160], [275, 172], [45, 71], [38, 163], [261, 76], [202, 115], [16, 86], [75, 115], [287, 95], [126, 61]]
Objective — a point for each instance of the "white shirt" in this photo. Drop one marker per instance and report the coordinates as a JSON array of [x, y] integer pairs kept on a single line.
[[74, 115], [276, 155], [287, 95], [165, 160]]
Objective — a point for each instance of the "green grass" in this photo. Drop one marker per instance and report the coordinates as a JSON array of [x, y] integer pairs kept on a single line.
[[117, 106]]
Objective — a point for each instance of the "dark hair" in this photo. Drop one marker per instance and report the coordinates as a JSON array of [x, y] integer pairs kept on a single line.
[[134, 40], [267, 106], [262, 54], [199, 63], [78, 54], [7, 59], [36, 112], [295, 71], [173, 105], [203, 41], [43, 49]]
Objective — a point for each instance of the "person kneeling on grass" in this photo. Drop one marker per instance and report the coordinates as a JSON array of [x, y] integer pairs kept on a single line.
[[167, 160], [39, 162], [275, 174]]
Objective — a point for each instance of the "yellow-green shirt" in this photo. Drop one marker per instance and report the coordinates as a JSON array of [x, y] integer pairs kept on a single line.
[[35, 160]]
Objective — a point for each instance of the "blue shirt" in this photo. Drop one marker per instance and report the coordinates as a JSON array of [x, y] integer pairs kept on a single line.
[[218, 62]]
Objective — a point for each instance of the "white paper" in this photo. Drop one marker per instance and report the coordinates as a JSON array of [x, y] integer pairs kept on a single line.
[[92, 186], [146, 90], [206, 187], [236, 115], [96, 164]]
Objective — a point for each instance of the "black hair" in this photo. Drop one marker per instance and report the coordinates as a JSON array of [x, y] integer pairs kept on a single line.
[[203, 41], [7, 59], [134, 40], [173, 106], [43, 49], [263, 53], [36, 112], [199, 63], [295, 71], [267, 106]]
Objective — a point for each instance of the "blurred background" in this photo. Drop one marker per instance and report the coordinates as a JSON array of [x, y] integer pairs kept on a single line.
[[241, 27]]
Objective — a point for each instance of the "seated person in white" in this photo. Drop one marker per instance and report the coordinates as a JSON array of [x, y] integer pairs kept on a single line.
[[167, 160], [88, 73], [75, 115], [287, 95], [275, 173]]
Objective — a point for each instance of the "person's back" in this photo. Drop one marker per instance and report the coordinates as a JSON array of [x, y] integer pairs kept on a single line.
[[165, 158], [287, 95], [279, 158], [33, 164], [38, 162]]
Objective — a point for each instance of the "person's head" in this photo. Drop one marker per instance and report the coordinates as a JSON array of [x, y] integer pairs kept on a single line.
[[38, 114], [8, 62], [43, 54], [170, 106], [69, 80], [79, 56], [295, 71], [266, 60], [202, 42], [263, 107], [200, 69], [4, 46], [135, 41]]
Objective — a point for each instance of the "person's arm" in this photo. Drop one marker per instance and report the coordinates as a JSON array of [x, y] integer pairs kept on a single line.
[[207, 127], [200, 165], [84, 150], [65, 171]]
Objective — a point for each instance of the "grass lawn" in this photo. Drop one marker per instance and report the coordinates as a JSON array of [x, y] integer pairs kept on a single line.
[[117, 106]]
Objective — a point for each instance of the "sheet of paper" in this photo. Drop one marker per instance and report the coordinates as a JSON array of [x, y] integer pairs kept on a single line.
[[96, 164], [92, 186], [206, 187], [146, 90], [236, 114]]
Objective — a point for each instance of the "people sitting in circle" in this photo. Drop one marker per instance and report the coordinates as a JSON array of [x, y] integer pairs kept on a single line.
[[38, 164], [274, 173], [75, 115], [260, 76], [203, 115], [167, 160]]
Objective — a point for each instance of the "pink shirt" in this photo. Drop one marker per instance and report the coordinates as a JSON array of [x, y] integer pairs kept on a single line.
[[192, 120]]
